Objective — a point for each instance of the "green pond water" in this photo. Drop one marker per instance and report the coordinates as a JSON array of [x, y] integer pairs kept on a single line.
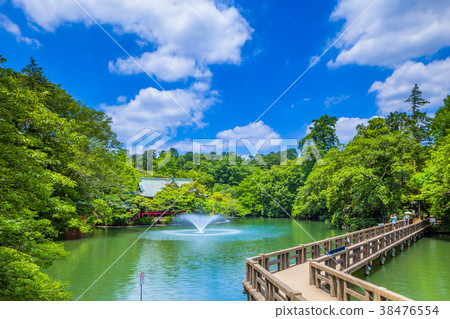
[[420, 272], [181, 265]]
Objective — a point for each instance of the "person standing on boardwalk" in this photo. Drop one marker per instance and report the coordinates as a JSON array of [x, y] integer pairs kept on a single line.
[[394, 220], [405, 219]]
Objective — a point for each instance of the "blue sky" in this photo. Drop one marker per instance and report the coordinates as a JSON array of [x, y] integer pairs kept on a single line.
[[225, 62]]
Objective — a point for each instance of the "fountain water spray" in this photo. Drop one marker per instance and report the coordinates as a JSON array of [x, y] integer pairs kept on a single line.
[[200, 221]]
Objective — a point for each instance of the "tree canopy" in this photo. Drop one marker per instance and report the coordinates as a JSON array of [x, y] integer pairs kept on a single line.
[[59, 160]]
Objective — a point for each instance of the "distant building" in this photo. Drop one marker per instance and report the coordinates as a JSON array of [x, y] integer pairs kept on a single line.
[[148, 187]]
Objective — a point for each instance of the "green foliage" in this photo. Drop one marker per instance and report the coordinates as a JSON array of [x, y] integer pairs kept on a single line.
[[434, 182], [441, 124], [168, 219], [391, 166], [188, 197], [219, 203], [323, 133], [28, 182], [311, 199], [202, 178], [58, 160], [250, 194], [145, 221], [416, 99]]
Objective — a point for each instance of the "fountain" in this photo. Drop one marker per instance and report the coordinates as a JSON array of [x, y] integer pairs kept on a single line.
[[200, 221]]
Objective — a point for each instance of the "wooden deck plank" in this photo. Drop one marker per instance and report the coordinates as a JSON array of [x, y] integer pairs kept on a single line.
[[297, 277]]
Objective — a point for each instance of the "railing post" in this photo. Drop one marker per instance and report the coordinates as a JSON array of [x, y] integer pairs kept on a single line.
[[377, 294], [340, 289], [333, 286], [345, 294], [300, 255], [262, 261], [312, 274], [296, 295], [268, 291], [346, 261]]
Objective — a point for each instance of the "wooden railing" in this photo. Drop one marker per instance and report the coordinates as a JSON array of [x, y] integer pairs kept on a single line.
[[332, 273], [357, 255], [261, 284], [340, 285]]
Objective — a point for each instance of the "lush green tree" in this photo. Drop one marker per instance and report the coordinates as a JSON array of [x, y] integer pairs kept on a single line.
[[250, 194], [27, 184], [202, 178], [441, 123], [188, 197], [91, 158], [59, 160], [435, 182], [416, 99], [323, 133], [272, 192], [373, 180], [224, 204], [311, 198], [280, 186]]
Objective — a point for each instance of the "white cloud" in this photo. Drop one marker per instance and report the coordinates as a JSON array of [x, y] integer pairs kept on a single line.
[[346, 127], [155, 110], [11, 27], [254, 134], [186, 145], [250, 131], [168, 67], [260, 136], [391, 32], [121, 99], [335, 100], [315, 59], [187, 35], [432, 78], [178, 39]]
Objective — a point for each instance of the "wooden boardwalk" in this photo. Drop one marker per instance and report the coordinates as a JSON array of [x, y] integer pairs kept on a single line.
[[297, 278], [322, 270]]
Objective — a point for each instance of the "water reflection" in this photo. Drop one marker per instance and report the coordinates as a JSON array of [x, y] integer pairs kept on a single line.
[[213, 267]]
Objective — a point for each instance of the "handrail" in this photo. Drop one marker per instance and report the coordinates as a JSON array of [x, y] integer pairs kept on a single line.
[[340, 285], [360, 245], [324, 275], [268, 287], [356, 255]]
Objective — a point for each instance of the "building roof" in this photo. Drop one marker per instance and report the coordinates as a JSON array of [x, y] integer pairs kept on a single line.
[[150, 186]]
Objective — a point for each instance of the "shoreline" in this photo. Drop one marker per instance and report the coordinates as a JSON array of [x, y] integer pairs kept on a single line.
[[132, 226]]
